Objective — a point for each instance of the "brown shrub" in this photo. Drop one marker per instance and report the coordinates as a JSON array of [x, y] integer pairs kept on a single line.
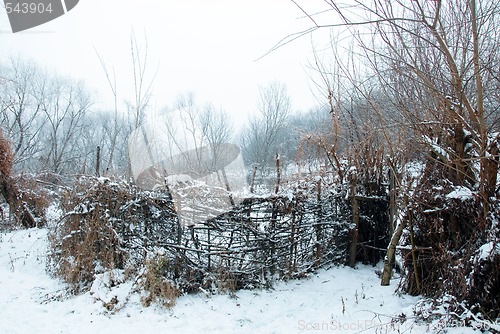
[[6, 158], [227, 281], [18, 208], [158, 288], [107, 224], [86, 237]]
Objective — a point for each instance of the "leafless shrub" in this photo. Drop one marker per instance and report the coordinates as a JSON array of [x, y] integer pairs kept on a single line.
[[227, 281]]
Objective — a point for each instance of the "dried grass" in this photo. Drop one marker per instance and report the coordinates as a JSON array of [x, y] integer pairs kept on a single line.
[[157, 287]]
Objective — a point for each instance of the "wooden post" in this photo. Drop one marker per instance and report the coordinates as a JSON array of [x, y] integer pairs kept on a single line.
[[209, 249], [392, 200], [353, 249], [317, 227], [292, 239], [178, 264], [252, 181], [98, 162], [274, 216], [278, 174], [228, 188]]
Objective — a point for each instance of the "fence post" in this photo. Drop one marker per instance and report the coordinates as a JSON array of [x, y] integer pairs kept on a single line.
[[278, 174], [292, 237], [177, 270], [353, 249], [209, 249], [317, 227], [252, 181], [98, 162], [392, 200]]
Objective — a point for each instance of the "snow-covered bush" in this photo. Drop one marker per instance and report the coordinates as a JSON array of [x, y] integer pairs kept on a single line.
[[36, 193], [455, 250], [106, 224]]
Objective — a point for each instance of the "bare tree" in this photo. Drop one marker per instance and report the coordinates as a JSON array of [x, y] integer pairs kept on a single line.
[[304, 132], [64, 104], [113, 129], [98, 129], [217, 130], [142, 91], [262, 137], [434, 60], [142, 86], [21, 115]]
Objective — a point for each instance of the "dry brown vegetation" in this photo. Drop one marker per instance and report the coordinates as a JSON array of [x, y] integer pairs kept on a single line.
[[157, 286], [19, 208], [86, 237]]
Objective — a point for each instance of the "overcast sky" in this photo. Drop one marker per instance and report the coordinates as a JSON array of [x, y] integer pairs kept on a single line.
[[207, 47]]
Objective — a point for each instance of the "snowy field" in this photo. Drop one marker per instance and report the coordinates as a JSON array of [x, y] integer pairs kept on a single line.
[[338, 300]]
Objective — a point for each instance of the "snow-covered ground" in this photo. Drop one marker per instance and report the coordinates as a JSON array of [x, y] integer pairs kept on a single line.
[[338, 300]]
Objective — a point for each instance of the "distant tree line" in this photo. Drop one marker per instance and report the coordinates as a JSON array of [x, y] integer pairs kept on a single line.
[[51, 124]]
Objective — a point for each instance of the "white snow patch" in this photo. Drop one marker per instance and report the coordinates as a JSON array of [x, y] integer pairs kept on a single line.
[[461, 193], [340, 299], [487, 250]]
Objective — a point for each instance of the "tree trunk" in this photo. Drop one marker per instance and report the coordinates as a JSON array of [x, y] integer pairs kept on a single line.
[[391, 252]]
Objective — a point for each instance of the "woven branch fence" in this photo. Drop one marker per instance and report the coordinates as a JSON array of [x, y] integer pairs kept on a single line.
[[113, 225]]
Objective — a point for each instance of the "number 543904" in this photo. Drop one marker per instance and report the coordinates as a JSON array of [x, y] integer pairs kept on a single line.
[[25, 7]]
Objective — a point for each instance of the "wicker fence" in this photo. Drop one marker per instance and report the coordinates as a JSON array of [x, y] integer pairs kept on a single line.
[[115, 225]]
